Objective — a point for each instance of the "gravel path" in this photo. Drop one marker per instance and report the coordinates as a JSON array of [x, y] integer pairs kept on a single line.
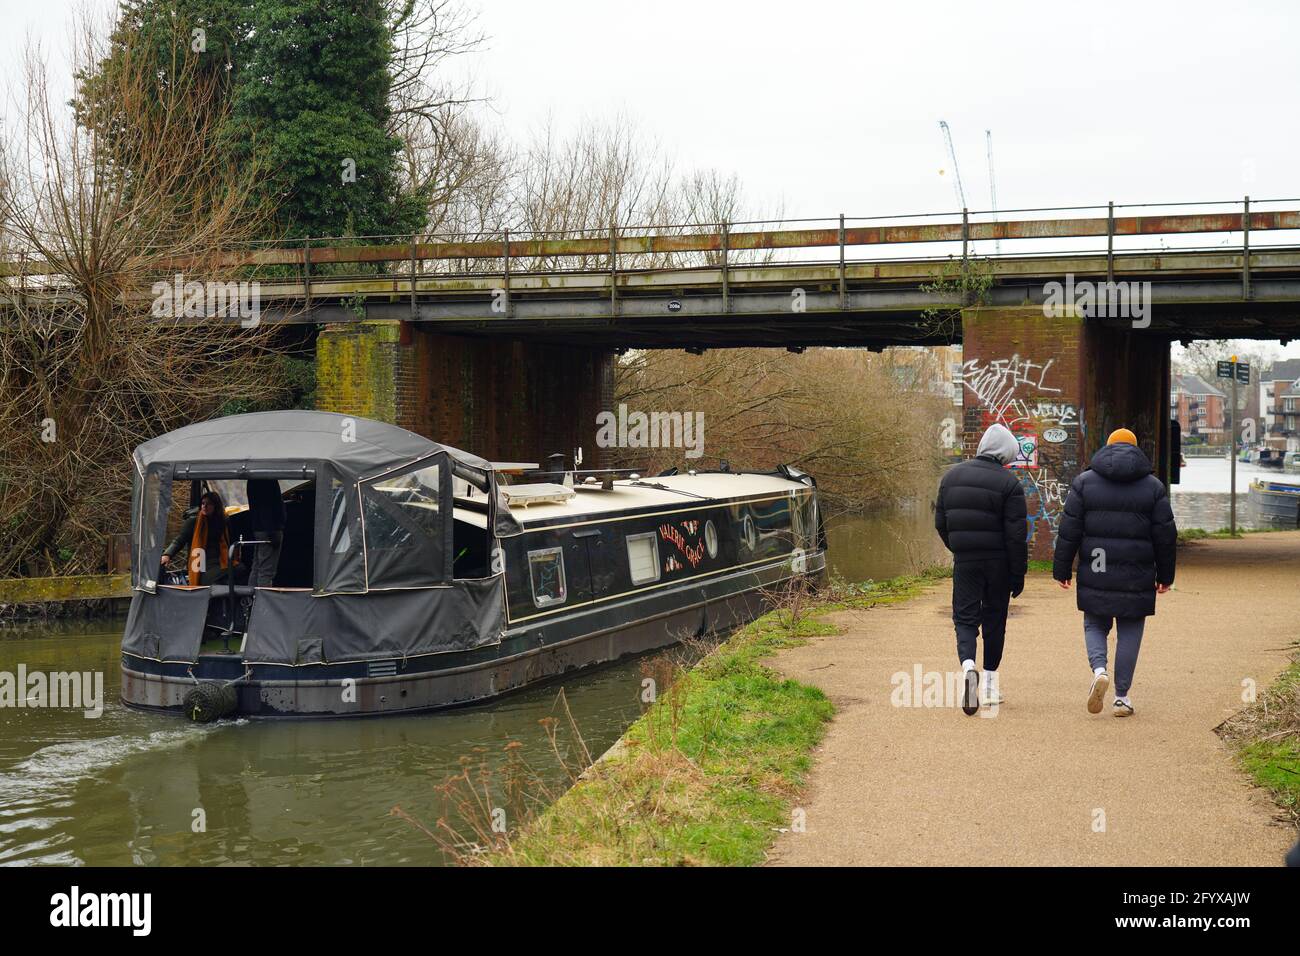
[[1043, 781]]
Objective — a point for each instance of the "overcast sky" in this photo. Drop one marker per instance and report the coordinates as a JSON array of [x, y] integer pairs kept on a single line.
[[822, 108]]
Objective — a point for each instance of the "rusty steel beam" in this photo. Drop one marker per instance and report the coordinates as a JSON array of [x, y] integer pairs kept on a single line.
[[1108, 226]]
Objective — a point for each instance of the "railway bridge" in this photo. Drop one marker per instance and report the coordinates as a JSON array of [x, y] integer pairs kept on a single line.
[[504, 343]]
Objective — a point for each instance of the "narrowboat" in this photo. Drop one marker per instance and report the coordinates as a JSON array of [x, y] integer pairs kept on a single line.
[[1275, 503], [413, 576]]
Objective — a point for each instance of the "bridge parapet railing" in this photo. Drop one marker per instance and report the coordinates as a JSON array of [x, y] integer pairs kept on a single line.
[[1244, 225]]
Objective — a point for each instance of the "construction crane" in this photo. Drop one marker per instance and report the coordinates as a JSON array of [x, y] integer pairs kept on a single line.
[[993, 186], [956, 173]]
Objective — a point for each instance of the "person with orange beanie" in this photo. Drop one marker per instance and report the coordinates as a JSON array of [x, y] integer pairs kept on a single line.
[[1119, 523]]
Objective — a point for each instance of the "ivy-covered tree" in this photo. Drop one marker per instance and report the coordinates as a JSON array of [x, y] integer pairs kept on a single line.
[[312, 105], [202, 42]]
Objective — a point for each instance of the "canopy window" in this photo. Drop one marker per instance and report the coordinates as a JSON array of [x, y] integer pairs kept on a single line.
[[406, 526]]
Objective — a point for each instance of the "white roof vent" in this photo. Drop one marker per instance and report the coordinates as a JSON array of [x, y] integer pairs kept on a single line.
[[544, 493]]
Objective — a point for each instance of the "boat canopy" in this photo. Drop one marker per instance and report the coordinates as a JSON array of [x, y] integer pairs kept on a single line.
[[381, 513], [355, 446], [384, 495]]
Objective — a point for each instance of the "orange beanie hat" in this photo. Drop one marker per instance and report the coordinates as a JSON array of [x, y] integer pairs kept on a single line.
[[1122, 435]]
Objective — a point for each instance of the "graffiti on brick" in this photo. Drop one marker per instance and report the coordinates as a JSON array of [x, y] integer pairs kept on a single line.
[[1018, 392], [995, 384]]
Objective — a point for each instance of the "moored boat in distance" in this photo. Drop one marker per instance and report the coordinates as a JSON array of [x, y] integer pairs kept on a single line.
[[414, 576], [1276, 503]]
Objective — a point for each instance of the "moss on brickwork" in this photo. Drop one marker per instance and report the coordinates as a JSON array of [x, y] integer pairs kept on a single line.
[[356, 369], [79, 588]]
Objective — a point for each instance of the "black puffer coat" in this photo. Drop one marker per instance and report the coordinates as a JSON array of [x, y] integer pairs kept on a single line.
[[1117, 517], [981, 515]]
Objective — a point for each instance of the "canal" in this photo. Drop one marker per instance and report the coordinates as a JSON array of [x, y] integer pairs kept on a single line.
[[129, 788], [125, 788]]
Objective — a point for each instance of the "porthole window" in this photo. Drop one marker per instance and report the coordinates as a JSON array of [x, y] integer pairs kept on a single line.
[[750, 533], [643, 557], [711, 539], [546, 574]]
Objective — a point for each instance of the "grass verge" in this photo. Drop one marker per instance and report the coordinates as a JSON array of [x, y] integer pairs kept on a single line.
[[1266, 736], [710, 773], [1200, 534]]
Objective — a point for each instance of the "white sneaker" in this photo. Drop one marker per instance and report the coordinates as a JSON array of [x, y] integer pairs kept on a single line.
[[990, 695], [1097, 693], [1123, 707]]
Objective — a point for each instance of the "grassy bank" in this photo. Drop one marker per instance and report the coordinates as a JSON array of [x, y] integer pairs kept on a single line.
[[1200, 534], [1266, 736], [710, 773]]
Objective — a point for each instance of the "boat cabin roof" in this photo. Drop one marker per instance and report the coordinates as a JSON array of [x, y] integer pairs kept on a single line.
[[673, 492]]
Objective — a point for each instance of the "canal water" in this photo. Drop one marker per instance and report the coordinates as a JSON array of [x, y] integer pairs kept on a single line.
[[1202, 498], [125, 788]]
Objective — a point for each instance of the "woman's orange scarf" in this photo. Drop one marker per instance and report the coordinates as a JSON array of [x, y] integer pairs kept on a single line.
[[200, 543]]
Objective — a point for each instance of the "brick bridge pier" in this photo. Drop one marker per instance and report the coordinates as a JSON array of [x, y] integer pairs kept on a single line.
[[503, 399], [1061, 385]]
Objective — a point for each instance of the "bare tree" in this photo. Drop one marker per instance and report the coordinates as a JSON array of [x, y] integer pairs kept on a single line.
[[427, 35], [866, 432], [89, 364]]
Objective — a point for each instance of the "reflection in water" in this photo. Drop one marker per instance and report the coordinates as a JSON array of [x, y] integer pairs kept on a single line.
[[884, 543], [124, 789]]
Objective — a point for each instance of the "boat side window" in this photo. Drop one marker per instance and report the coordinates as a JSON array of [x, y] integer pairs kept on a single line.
[[415, 497], [546, 574], [416, 494], [643, 557]]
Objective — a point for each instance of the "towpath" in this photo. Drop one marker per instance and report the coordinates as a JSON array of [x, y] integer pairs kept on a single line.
[[1043, 781]]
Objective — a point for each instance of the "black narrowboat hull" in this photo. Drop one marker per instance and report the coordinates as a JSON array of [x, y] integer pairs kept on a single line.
[[529, 654]]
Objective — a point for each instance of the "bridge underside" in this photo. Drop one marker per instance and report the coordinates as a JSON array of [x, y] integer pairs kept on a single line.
[[867, 319]]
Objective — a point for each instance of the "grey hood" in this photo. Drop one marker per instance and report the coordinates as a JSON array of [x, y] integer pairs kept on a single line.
[[999, 443]]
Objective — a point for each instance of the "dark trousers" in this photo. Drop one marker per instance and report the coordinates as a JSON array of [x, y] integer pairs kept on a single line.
[[266, 559], [981, 592]]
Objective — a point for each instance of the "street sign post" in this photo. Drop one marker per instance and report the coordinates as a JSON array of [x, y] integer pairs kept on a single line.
[[1238, 372], [1232, 444]]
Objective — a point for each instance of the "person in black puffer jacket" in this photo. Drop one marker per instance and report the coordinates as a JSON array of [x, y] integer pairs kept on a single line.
[[1118, 521], [981, 517]]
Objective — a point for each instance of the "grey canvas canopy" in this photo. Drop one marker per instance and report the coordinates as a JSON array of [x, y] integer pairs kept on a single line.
[[383, 521], [355, 446]]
